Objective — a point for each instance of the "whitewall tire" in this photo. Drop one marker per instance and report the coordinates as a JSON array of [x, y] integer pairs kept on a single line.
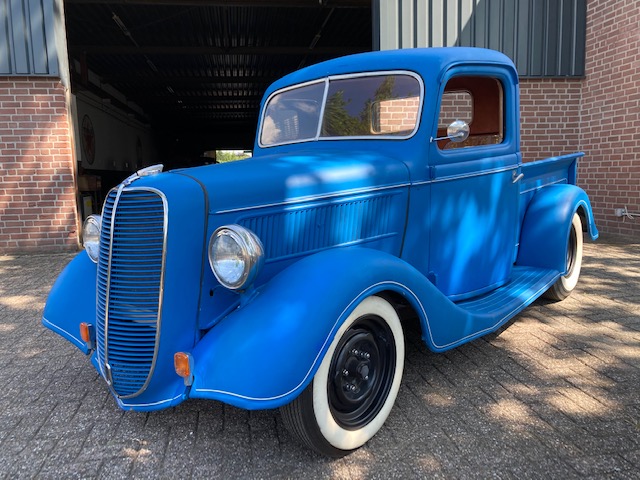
[[356, 385], [566, 283]]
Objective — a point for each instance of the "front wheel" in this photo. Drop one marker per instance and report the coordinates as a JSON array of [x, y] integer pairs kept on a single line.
[[354, 389], [566, 283]]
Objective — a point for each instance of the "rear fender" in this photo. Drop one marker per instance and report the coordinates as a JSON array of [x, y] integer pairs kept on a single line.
[[266, 352], [72, 300], [547, 223]]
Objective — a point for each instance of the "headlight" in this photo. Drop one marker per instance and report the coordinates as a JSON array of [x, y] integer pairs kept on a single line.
[[235, 256], [91, 236]]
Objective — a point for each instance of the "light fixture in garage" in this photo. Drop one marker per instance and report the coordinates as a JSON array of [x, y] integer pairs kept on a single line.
[[123, 28]]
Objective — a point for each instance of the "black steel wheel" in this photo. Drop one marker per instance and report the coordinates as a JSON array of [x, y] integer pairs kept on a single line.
[[361, 372], [356, 384]]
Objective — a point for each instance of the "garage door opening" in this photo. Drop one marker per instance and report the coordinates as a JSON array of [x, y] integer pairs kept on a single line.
[[166, 81]]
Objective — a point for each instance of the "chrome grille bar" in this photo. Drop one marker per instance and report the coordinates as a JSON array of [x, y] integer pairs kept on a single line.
[[130, 287]]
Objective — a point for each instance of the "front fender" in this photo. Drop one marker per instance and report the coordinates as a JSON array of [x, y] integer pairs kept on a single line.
[[546, 226], [72, 300], [266, 352]]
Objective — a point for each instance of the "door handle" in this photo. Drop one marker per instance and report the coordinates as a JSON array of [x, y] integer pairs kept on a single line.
[[517, 178]]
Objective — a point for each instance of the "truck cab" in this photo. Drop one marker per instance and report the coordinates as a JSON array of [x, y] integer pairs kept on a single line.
[[381, 183]]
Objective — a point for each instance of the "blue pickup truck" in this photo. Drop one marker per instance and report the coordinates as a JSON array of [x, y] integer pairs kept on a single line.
[[382, 184]]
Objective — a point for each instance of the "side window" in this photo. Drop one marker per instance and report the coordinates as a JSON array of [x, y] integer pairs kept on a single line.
[[479, 101], [455, 106]]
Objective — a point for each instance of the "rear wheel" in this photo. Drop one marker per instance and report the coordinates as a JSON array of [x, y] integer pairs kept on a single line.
[[566, 283], [356, 385]]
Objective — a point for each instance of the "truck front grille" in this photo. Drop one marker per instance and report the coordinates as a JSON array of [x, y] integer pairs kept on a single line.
[[130, 278]]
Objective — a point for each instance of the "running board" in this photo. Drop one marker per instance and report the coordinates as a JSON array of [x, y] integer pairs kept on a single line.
[[525, 286]]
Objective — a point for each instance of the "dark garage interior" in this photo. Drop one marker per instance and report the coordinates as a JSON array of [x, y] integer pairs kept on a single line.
[[191, 73]]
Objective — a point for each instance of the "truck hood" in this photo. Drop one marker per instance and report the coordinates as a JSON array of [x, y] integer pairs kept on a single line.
[[295, 176]]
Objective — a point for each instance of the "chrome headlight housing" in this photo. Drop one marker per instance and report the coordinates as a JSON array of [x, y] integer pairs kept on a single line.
[[235, 256], [91, 236]]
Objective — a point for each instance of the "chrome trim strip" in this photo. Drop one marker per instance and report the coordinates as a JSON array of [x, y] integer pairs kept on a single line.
[[463, 176], [421, 183], [165, 206], [322, 108], [312, 198], [53, 326], [476, 174], [107, 370], [152, 404], [103, 368]]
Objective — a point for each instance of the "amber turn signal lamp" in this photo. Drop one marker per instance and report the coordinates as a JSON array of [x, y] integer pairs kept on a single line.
[[84, 332], [182, 364], [87, 334]]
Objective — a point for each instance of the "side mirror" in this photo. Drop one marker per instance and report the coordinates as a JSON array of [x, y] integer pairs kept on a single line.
[[457, 131]]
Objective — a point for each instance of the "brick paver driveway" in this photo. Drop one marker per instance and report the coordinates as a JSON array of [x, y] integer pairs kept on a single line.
[[554, 394]]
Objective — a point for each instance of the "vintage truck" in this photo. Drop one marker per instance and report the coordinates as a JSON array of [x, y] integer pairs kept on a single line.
[[382, 185]]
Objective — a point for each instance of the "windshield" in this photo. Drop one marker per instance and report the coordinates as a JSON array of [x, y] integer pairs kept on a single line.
[[383, 105]]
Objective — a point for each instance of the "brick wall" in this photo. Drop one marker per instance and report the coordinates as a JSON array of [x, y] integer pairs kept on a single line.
[[550, 117], [37, 188], [610, 135], [599, 114]]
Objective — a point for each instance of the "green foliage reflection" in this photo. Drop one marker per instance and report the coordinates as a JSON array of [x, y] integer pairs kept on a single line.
[[338, 122]]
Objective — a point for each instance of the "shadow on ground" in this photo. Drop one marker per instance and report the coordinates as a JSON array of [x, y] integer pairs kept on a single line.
[[553, 394]]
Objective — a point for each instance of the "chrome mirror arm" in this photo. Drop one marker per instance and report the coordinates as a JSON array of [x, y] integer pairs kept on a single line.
[[457, 131]]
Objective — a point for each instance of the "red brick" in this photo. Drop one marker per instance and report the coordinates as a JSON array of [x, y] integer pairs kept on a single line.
[[33, 129], [610, 95]]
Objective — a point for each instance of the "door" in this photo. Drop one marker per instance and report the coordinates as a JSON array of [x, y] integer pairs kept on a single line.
[[474, 186]]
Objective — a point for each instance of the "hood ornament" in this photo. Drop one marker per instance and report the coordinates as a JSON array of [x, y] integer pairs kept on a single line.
[[143, 172]]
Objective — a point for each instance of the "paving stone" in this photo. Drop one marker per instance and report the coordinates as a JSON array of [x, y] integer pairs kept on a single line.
[[600, 464], [553, 394]]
